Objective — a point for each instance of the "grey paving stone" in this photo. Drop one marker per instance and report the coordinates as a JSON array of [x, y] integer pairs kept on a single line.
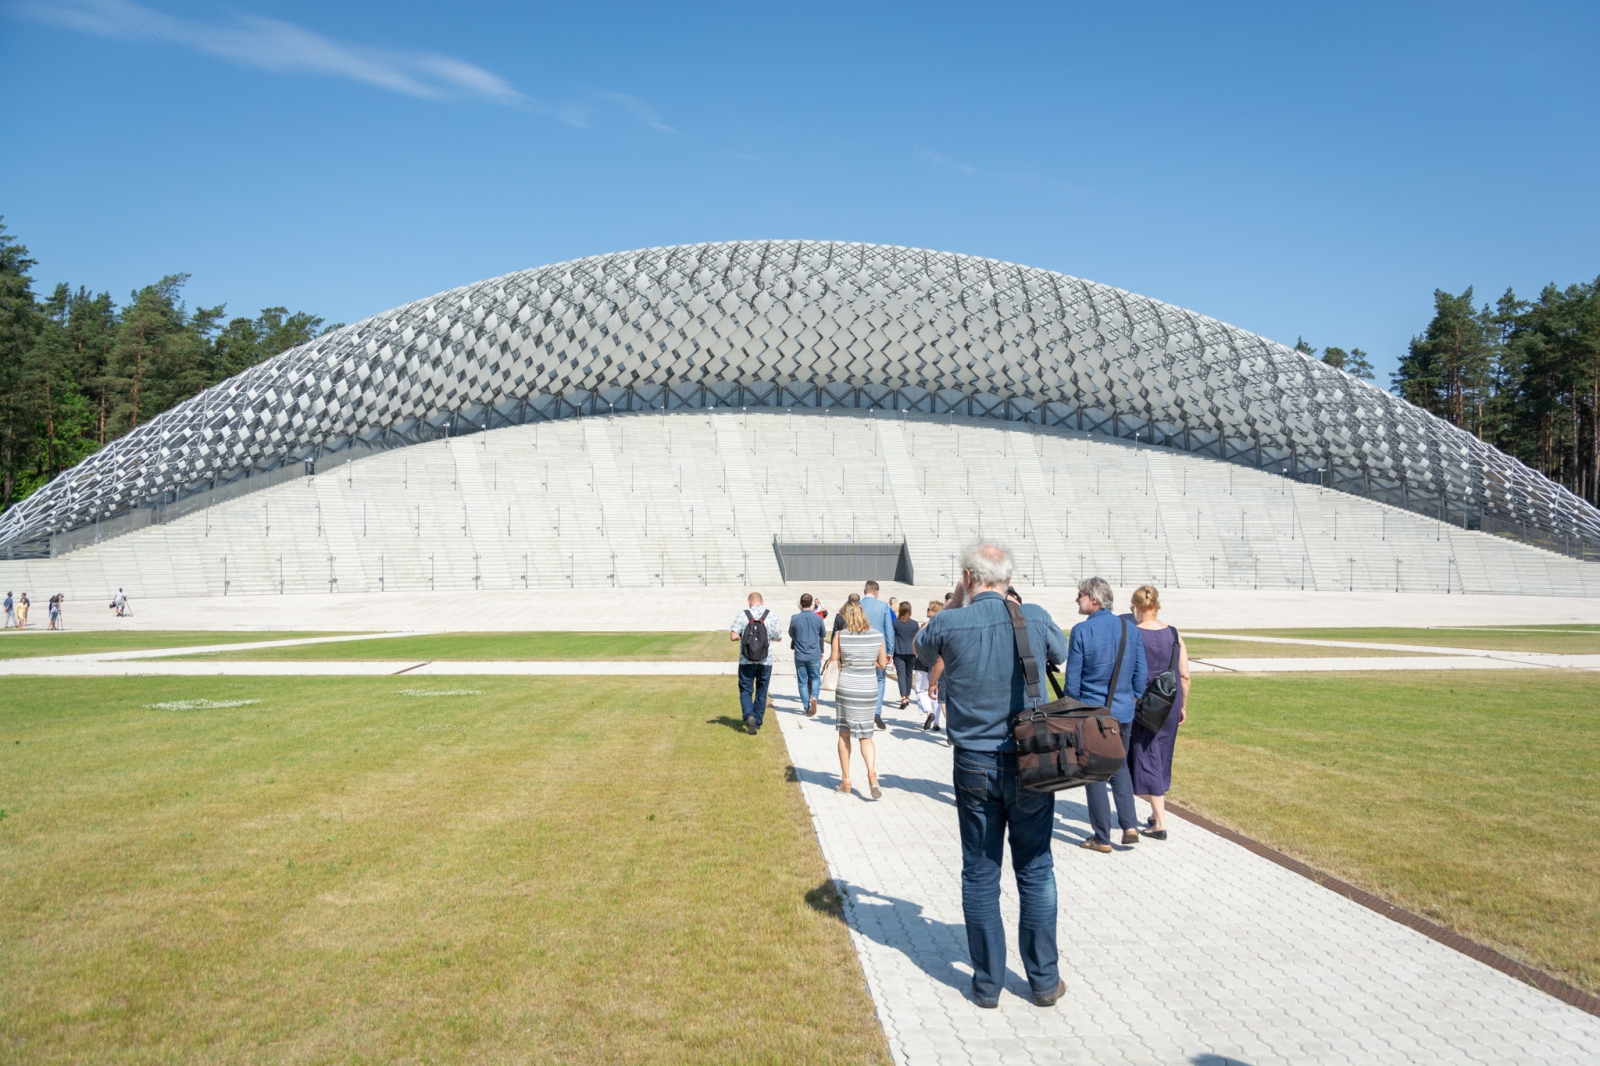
[[1204, 948]]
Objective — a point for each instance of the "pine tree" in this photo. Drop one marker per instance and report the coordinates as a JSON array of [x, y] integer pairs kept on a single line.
[[1447, 370], [19, 324]]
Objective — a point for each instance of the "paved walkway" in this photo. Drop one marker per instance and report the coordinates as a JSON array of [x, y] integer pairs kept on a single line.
[[1229, 959], [701, 608], [160, 662], [89, 667]]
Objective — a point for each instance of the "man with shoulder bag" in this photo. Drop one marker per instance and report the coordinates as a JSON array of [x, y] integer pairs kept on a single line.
[[1098, 646], [984, 684]]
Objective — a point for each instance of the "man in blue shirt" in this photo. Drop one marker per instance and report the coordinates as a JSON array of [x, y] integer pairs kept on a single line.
[[881, 619], [806, 633], [1091, 658], [984, 686]]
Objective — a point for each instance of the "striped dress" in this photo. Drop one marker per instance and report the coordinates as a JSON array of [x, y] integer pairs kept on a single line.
[[856, 698]]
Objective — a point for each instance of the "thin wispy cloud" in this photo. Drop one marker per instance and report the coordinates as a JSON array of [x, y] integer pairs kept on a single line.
[[639, 109], [1024, 178], [286, 48], [944, 162]]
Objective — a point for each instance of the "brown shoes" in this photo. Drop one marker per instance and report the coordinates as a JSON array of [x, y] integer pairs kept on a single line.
[[812, 711], [1049, 1000], [1094, 845], [1130, 836]]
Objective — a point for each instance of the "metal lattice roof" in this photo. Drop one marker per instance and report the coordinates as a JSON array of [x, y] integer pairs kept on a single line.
[[785, 323]]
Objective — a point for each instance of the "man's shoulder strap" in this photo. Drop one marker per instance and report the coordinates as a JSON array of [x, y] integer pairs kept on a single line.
[[1019, 632]]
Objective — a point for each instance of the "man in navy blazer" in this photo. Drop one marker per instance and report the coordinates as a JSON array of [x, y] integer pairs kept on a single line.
[[1091, 658]]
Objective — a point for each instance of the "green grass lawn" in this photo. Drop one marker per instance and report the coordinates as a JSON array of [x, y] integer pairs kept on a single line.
[[1472, 798], [1568, 639], [535, 872], [1210, 648], [32, 642], [482, 647]]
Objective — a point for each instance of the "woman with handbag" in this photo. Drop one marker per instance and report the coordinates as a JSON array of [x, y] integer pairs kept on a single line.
[[905, 658], [1150, 749], [859, 651]]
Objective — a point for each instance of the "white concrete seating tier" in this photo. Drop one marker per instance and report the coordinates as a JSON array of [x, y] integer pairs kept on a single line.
[[698, 497]]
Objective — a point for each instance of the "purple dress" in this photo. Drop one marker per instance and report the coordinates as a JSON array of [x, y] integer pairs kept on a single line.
[[1150, 754]]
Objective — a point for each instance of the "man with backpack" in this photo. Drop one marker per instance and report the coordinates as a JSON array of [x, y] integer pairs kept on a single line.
[[756, 630]]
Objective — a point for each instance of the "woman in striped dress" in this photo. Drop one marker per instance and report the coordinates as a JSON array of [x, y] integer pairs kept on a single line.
[[858, 649]]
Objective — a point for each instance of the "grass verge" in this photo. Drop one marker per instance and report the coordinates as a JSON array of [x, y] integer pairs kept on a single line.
[[535, 872], [1564, 640], [31, 643], [484, 647], [1208, 648], [1462, 796]]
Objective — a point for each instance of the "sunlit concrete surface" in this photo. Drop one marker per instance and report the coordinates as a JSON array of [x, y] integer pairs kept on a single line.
[[1191, 950]]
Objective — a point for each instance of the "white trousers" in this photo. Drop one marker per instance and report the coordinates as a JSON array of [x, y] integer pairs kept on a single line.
[[928, 704]]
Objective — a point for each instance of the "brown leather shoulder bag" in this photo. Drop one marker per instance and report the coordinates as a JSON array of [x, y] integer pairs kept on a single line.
[[1064, 743]]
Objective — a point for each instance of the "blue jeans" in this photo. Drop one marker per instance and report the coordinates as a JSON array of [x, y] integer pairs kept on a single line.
[[808, 673], [882, 675], [992, 808], [1121, 790], [754, 676]]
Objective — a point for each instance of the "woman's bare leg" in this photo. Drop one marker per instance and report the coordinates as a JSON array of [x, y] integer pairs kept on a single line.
[[844, 758], [1158, 811], [869, 755]]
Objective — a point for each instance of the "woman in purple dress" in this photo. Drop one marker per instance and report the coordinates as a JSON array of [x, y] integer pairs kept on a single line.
[[1150, 754]]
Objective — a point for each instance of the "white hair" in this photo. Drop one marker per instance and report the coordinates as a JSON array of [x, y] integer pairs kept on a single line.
[[988, 561], [1096, 588]]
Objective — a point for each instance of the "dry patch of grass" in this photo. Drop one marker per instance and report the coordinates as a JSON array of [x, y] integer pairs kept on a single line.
[[1564, 640], [484, 647], [31, 642], [1471, 798], [532, 870]]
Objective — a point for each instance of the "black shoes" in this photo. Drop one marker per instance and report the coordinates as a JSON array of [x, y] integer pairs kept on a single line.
[[1049, 1000], [750, 726], [878, 718], [1156, 834], [927, 723]]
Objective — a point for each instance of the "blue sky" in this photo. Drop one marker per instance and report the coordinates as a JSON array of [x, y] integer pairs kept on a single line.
[[1287, 168]]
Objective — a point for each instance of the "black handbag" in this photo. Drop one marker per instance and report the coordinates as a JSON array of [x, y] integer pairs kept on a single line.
[[1160, 694]]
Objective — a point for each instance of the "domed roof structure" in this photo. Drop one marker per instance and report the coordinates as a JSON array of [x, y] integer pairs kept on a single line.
[[814, 324]]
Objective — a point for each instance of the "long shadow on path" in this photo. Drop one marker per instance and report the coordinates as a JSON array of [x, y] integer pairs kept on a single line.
[[933, 946]]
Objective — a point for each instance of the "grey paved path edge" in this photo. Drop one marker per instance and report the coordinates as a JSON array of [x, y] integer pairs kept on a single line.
[[1194, 950], [1556, 987]]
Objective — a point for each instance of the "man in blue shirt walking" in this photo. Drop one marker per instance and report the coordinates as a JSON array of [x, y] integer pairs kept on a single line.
[[1091, 659], [983, 687], [806, 633], [880, 618]]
